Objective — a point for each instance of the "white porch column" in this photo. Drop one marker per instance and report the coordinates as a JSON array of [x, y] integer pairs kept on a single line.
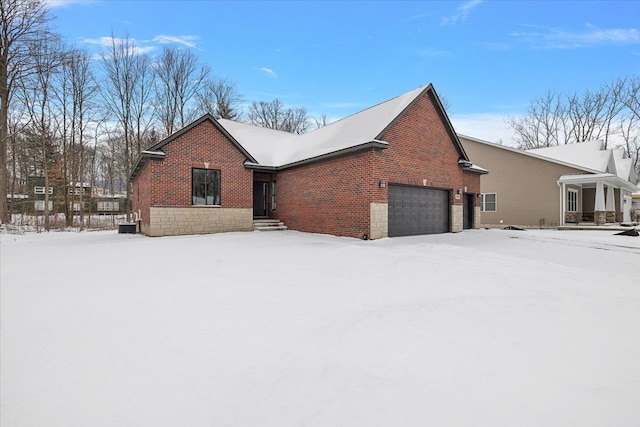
[[610, 205], [599, 204], [563, 202]]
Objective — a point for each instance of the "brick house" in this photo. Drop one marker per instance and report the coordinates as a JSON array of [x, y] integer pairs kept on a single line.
[[394, 169]]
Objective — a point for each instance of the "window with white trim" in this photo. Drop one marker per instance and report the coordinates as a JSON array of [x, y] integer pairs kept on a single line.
[[40, 190], [572, 200], [488, 202], [76, 191]]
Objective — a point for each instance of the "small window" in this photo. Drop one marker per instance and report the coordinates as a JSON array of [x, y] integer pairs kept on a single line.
[[108, 206], [40, 190], [572, 200], [205, 188], [76, 191], [488, 202]]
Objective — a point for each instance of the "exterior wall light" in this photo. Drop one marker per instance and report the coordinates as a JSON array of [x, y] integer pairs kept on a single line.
[[383, 183]]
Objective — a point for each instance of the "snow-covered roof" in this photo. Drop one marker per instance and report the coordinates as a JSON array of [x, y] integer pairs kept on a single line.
[[276, 148], [589, 154], [592, 155], [273, 149]]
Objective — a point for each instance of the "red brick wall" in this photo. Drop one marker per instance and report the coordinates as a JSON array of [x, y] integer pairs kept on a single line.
[[421, 152], [171, 177], [334, 196], [329, 197]]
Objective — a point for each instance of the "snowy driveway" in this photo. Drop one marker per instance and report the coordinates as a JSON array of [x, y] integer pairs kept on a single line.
[[481, 328]]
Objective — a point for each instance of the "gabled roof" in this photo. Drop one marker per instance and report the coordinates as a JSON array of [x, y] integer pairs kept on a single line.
[[593, 155], [624, 166], [155, 151], [206, 117], [272, 149], [276, 149]]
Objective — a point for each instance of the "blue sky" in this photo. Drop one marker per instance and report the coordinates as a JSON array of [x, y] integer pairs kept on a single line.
[[488, 58]]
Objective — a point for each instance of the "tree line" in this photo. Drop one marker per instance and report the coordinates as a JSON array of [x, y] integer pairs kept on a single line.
[[610, 113], [70, 117]]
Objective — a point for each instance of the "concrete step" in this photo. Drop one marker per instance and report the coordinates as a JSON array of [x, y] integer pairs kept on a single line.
[[268, 225]]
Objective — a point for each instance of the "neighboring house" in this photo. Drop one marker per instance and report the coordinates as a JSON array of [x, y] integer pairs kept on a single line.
[[550, 187], [394, 169]]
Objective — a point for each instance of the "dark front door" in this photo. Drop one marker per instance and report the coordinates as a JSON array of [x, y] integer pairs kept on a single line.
[[417, 210], [260, 192], [467, 214]]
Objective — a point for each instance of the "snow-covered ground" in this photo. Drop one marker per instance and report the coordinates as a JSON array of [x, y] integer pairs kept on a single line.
[[481, 328]]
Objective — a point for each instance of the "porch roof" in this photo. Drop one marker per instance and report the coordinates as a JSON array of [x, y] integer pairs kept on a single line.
[[605, 178]]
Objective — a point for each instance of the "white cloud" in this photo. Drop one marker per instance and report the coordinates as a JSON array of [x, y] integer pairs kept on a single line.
[[269, 72], [187, 40], [557, 38], [462, 13], [143, 46], [62, 3], [107, 42]]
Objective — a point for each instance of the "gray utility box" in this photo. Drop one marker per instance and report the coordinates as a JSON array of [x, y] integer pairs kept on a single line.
[[127, 228]]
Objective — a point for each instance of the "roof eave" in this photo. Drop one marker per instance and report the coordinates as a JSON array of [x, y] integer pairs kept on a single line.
[[475, 169], [374, 144], [206, 117], [429, 89], [144, 157], [591, 178], [528, 154]]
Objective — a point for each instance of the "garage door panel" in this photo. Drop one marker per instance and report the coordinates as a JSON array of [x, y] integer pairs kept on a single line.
[[417, 210]]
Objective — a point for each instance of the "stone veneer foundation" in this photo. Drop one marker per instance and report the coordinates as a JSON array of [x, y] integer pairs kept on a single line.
[[379, 213], [457, 223], [174, 221]]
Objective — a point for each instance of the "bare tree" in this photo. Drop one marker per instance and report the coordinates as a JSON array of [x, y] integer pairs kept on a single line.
[[630, 121], [21, 22], [36, 91], [545, 124], [84, 90], [126, 94], [610, 111], [631, 99], [220, 98], [321, 121], [274, 115], [179, 77]]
